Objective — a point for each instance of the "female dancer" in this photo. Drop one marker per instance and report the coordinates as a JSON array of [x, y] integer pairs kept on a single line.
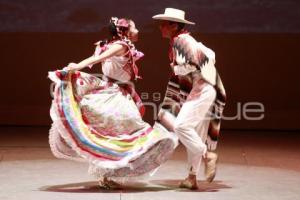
[[99, 120]]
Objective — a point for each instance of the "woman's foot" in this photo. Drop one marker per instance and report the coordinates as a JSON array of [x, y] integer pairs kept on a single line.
[[210, 166], [190, 183], [109, 184]]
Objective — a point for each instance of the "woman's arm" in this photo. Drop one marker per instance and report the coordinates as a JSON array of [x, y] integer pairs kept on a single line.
[[115, 49]]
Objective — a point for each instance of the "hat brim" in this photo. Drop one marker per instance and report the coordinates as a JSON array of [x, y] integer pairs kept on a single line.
[[172, 19]]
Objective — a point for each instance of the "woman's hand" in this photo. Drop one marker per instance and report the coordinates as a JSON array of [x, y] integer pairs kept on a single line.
[[71, 67]]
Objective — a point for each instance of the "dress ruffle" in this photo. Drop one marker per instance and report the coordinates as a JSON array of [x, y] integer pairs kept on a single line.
[[98, 122]]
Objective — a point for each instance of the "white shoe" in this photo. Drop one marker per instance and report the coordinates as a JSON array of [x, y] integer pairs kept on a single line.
[[210, 166]]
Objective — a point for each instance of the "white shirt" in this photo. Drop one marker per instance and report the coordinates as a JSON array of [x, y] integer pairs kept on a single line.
[[113, 67]]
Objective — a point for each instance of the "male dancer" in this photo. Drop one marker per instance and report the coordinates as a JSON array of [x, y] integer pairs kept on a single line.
[[195, 96]]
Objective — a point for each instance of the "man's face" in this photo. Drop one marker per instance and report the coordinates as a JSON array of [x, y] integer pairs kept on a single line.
[[166, 28]]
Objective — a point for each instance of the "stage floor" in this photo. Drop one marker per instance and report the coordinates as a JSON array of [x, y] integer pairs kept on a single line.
[[258, 165]]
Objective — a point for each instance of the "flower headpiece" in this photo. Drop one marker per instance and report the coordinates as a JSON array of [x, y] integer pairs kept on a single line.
[[120, 22]]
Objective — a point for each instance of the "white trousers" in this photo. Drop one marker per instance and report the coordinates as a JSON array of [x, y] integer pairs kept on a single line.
[[192, 122]]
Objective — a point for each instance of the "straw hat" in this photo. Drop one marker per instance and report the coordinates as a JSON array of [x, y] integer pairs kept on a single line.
[[174, 15]]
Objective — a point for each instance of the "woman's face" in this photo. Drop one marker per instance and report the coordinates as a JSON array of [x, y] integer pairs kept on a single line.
[[133, 33]]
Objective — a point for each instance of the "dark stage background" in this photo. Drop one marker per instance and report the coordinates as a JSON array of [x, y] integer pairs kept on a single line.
[[256, 44]]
